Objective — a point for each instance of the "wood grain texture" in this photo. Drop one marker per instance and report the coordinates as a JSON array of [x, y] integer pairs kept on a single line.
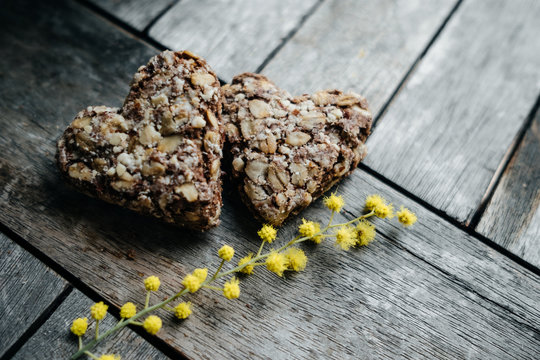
[[54, 340], [235, 36], [418, 294], [448, 129], [475, 266], [136, 13], [27, 289], [512, 217], [364, 46]]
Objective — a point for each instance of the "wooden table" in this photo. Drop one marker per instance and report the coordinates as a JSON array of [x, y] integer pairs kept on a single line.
[[454, 87]]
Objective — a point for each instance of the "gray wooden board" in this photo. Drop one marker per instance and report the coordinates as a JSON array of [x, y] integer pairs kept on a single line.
[[512, 217], [55, 341], [364, 46], [235, 36], [475, 266], [400, 298], [449, 128], [136, 13], [27, 289]]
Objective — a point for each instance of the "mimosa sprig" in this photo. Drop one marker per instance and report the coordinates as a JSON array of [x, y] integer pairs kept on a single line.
[[288, 257]]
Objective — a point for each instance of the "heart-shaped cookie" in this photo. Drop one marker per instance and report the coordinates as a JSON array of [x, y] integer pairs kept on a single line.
[[287, 151], [160, 153]]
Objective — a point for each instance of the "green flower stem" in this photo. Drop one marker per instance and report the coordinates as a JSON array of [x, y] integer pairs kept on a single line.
[[80, 342], [331, 219], [218, 269], [147, 301], [97, 329], [260, 249]]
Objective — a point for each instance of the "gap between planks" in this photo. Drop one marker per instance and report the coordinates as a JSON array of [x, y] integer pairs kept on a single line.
[[74, 283], [125, 27], [158, 16], [36, 325], [505, 163], [445, 217], [289, 36], [413, 67], [456, 280]]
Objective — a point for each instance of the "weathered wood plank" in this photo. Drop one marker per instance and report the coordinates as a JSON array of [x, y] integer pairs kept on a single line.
[[397, 298], [450, 126], [136, 13], [512, 217], [233, 35], [27, 289], [477, 267], [365, 46], [54, 339]]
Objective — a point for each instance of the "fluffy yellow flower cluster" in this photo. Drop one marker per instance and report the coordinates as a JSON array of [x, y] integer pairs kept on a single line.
[[247, 268], [345, 237], [128, 310], [293, 259], [276, 262], [267, 233], [79, 326], [296, 259], [201, 273], [152, 324], [365, 233], [98, 310], [382, 209], [152, 283], [231, 289], [183, 310], [379, 206], [289, 257], [192, 283], [310, 229], [406, 216], [226, 252], [334, 202]]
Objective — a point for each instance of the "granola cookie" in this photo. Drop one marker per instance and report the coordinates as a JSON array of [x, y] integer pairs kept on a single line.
[[287, 151], [160, 153]]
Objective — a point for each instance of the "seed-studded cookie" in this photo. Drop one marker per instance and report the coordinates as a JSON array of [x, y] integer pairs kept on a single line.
[[160, 153], [287, 151]]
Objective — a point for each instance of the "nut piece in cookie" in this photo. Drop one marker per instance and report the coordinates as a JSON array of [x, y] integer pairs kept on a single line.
[[160, 153], [287, 151]]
